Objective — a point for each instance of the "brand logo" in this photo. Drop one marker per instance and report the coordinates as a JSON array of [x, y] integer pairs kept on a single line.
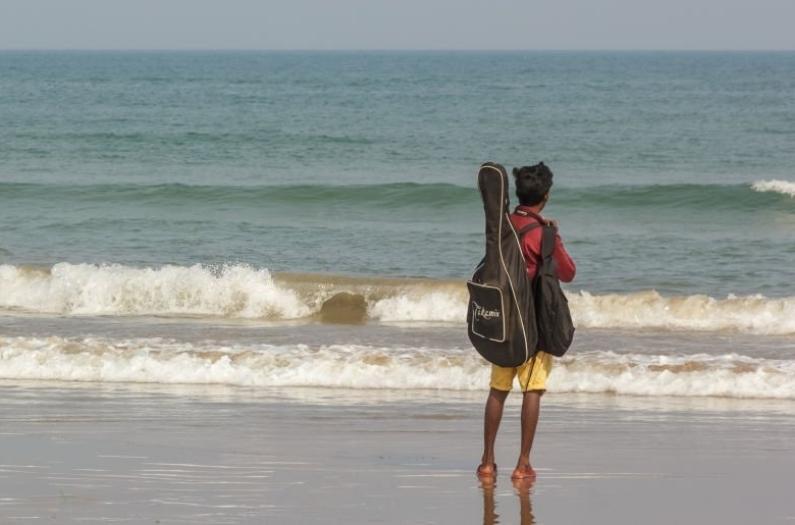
[[484, 313]]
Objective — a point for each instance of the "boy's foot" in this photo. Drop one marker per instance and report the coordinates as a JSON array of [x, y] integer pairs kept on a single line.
[[487, 470], [523, 472]]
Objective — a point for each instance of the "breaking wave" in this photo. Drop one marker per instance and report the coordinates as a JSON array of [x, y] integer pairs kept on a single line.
[[244, 292], [754, 314], [775, 186], [87, 289], [371, 367]]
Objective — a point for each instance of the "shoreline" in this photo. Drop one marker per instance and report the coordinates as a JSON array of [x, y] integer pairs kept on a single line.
[[234, 455]]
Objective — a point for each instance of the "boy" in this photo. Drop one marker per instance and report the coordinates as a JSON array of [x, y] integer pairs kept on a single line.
[[533, 184]]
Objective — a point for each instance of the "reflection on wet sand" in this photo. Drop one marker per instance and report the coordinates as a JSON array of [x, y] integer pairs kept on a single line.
[[521, 489]]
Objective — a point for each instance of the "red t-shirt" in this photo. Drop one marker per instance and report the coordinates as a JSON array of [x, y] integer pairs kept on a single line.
[[531, 245]]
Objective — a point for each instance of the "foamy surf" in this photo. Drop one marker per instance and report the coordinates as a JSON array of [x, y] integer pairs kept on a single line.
[[235, 291], [245, 292], [755, 314], [372, 367], [775, 186]]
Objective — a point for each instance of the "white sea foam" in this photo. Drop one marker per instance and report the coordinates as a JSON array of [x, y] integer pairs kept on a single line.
[[239, 291], [416, 305], [776, 186], [394, 368], [87, 289], [727, 375], [751, 314]]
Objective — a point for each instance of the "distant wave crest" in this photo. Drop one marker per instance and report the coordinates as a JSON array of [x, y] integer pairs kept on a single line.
[[775, 186], [406, 195]]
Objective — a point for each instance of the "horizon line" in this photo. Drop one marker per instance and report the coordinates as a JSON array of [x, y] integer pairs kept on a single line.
[[406, 50]]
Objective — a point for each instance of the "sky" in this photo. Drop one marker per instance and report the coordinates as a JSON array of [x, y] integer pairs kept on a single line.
[[398, 24]]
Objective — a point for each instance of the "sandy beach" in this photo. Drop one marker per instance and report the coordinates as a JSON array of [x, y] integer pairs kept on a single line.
[[75, 453]]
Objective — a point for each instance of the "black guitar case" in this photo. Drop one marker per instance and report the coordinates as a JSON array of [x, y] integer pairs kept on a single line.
[[501, 320]]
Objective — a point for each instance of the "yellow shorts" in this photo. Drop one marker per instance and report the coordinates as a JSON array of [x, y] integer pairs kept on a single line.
[[532, 375]]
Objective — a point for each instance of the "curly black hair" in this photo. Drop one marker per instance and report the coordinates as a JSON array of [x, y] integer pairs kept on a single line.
[[532, 183]]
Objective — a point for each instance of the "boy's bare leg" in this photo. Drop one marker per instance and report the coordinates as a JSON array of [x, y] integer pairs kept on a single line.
[[531, 405], [491, 424]]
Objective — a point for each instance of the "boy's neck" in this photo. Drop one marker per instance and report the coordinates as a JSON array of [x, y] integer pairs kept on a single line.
[[536, 209]]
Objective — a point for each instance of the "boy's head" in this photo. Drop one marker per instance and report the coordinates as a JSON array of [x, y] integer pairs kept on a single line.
[[533, 184]]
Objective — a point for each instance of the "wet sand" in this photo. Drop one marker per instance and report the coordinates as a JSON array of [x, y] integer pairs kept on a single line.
[[77, 453]]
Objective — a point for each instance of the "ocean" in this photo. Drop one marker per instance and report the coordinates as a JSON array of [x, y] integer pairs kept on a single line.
[[308, 219]]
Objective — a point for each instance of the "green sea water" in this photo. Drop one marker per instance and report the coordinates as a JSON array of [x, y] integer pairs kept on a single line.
[[364, 163]]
